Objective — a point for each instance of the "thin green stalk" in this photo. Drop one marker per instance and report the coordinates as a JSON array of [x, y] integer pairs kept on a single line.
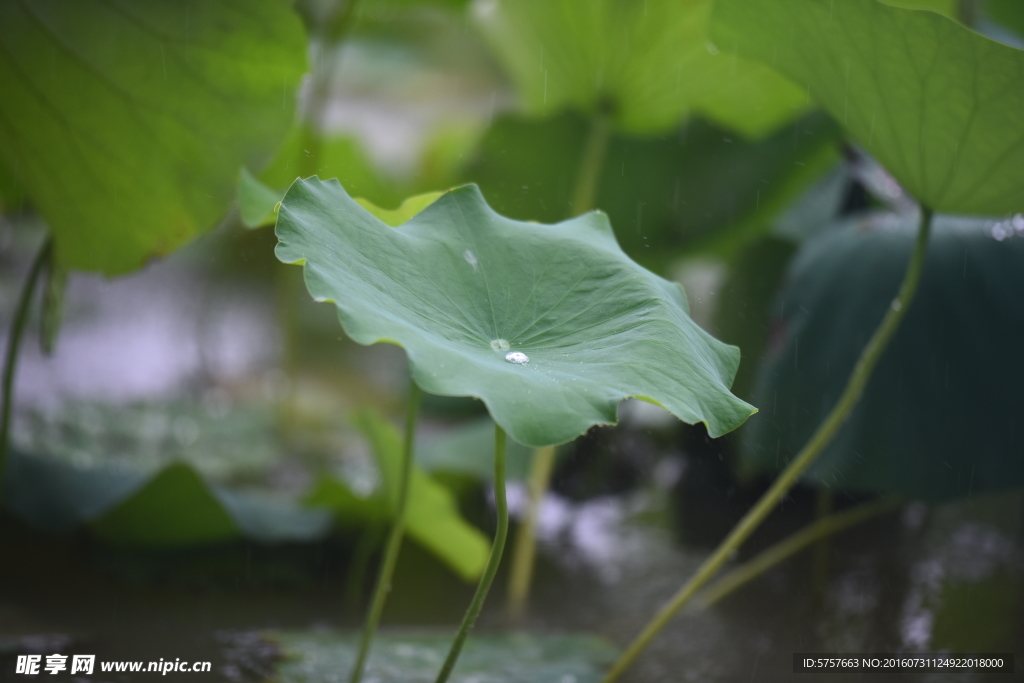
[[822, 437], [493, 561], [813, 533], [387, 567], [521, 572], [14, 336], [362, 555], [591, 164]]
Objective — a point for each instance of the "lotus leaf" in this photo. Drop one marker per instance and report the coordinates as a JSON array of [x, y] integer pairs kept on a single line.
[[126, 121], [937, 104], [171, 507], [551, 326], [936, 420], [649, 64]]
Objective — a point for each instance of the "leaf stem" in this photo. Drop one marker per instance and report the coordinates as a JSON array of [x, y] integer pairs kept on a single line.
[[591, 164], [14, 337], [813, 533], [387, 567], [492, 562], [784, 482], [521, 572]]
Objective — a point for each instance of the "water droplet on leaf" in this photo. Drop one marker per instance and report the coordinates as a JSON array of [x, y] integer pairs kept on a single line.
[[517, 357]]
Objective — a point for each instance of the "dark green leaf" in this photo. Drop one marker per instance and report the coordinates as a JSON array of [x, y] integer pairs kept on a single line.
[[938, 417], [415, 658], [173, 507], [937, 104], [465, 290], [127, 122], [57, 497]]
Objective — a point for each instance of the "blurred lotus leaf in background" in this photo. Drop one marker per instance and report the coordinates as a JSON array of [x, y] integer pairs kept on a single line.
[[938, 418], [647, 64], [936, 103], [125, 123], [171, 507], [697, 189]]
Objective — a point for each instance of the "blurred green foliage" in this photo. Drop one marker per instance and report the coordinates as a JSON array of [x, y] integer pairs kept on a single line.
[[646, 65], [936, 104], [433, 518], [700, 189], [126, 122]]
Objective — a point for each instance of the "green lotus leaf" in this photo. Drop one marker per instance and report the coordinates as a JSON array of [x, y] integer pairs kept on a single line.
[[933, 420], [649, 63], [415, 657], [937, 104], [171, 507], [126, 121], [551, 326]]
